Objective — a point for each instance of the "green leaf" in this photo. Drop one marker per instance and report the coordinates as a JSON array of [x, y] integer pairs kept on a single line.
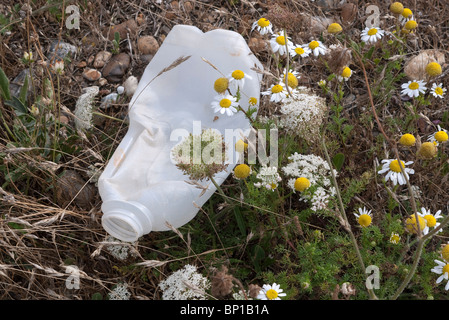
[[19, 108], [4, 85], [23, 91], [369, 54], [338, 161], [97, 296], [240, 221]]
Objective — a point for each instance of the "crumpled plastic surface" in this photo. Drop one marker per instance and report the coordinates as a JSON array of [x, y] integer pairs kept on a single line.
[[140, 187]]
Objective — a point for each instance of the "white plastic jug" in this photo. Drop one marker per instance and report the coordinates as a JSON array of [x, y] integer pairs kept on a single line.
[[140, 187]]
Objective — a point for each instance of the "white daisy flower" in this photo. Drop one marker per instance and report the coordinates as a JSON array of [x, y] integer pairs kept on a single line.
[[413, 88], [443, 269], [299, 50], [271, 292], [395, 238], [263, 25], [437, 90], [345, 74], [405, 16], [441, 135], [277, 91], [364, 217], [277, 43], [371, 35], [394, 171], [237, 78], [225, 104], [291, 79], [431, 220], [317, 48]]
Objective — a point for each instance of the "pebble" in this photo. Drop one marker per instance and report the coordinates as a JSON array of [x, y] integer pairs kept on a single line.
[[130, 26], [16, 85], [60, 50], [102, 58], [116, 67], [147, 45], [91, 74], [130, 85]]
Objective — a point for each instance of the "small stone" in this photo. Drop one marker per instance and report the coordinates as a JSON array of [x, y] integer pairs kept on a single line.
[[16, 85], [59, 50], [102, 58], [188, 6], [120, 89], [64, 119], [91, 74], [147, 45], [102, 81], [415, 68], [257, 44], [130, 85], [81, 64], [116, 67], [108, 100], [71, 188], [128, 27]]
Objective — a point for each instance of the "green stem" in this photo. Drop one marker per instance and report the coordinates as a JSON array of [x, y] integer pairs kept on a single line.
[[343, 212]]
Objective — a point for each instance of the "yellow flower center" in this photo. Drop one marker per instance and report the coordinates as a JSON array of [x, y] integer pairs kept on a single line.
[[428, 150], [433, 69], [412, 226], [396, 8], [262, 22], [365, 220], [238, 74], [446, 268], [225, 103], [274, 186], [407, 140], [242, 171], [394, 166], [431, 221], [221, 84], [372, 31], [410, 25], [346, 72], [413, 86], [292, 81], [302, 184], [277, 88], [241, 146], [445, 252], [394, 238], [334, 28], [439, 91], [314, 44], [406, 12], [253, 101], [280, 40], [299, 50], [441, 136], [271, 294]]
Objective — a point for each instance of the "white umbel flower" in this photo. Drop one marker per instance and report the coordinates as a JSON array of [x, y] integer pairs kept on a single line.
[[391, 166], [413, 88], [269, 177], [271, 292], [442, 268], [185, 284], [371, 35], [120, 292]]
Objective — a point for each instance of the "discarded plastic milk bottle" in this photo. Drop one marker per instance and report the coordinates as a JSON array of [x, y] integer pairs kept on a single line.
[[141, 188]]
